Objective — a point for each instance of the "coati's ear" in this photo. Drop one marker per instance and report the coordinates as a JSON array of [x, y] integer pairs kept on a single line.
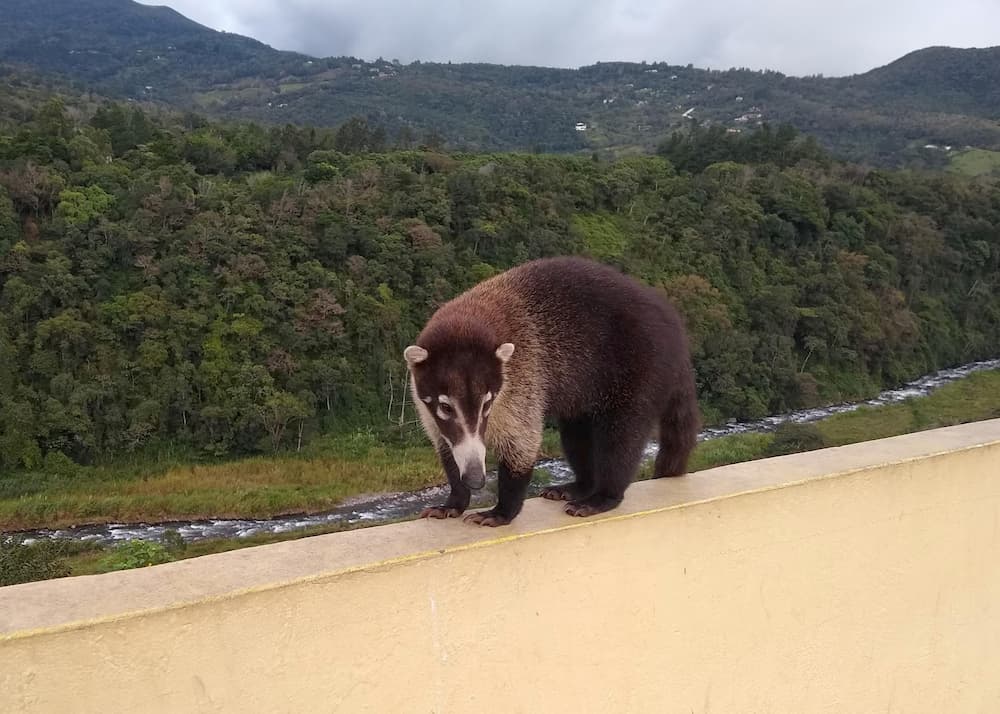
[[414, 355], [504, 351]]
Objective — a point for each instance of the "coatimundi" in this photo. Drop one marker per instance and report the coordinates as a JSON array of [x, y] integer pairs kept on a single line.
[[567, 338]]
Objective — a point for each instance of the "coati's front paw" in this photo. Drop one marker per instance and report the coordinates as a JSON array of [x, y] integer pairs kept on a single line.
[[487, 518], [440, 512]]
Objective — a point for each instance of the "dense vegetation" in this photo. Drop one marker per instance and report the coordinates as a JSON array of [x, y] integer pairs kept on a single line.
[[941, 96], [239, 288]]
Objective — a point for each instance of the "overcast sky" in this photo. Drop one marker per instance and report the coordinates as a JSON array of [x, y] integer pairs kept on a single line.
[[793, 36]]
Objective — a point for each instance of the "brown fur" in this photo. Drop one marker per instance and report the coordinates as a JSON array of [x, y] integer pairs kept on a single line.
[[602, 354]]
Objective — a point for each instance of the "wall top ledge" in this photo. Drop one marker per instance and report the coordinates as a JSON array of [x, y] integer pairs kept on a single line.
[[67, 603]]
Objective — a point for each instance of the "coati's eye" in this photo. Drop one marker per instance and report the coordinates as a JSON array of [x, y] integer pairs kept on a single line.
[[487, 403], [444, 410]]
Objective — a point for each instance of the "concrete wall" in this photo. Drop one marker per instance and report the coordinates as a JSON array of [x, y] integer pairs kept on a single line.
[[859, 579]]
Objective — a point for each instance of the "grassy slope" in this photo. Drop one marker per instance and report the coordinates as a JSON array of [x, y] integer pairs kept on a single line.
[[975, 162], [320, 478], [255, 487], [975, 398]]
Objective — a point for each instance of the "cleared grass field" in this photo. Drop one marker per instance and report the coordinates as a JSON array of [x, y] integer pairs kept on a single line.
[[255, 487], [975, 162]]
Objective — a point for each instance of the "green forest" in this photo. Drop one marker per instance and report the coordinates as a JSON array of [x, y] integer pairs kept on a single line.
[[240, 289]]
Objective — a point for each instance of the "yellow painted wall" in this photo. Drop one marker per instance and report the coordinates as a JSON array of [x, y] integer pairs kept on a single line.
[[853, 580]]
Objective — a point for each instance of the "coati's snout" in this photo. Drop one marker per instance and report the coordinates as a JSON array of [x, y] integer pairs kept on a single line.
[[472, 469], [456, 391]]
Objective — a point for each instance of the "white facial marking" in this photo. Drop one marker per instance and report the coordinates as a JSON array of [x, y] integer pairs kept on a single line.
[[428, 400], [487, 404], [444, 410], [469, 451]]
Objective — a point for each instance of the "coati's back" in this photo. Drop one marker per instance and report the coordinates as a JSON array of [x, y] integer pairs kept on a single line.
[[585, 333]]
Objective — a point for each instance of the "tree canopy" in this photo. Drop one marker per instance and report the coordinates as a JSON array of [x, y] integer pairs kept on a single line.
[[237, 288]]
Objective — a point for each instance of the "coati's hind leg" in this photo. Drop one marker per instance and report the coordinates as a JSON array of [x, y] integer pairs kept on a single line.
[[618, 441], [575, 435]]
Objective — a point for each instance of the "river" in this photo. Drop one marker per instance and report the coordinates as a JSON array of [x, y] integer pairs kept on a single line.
[[375, 509]]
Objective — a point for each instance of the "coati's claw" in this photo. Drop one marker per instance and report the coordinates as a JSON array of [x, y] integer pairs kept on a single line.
[[440, 512], [580, 509], [591, 506], [487, 518], [557, 493]]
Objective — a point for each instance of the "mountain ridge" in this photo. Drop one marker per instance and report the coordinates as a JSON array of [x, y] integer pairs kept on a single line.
[[936, 95]]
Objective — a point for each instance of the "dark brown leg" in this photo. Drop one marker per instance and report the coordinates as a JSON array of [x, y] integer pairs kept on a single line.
[[618, 441], [458, 499], [578, 449], [511, 489]]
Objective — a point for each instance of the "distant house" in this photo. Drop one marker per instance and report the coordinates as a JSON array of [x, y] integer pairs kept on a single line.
[[580, 126]]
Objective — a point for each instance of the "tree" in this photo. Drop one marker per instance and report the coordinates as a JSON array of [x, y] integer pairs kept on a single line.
[[80, 208], [277, 411], [9, 230]]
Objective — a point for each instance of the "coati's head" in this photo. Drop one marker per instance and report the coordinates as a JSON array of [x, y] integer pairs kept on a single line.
[[457, 385]]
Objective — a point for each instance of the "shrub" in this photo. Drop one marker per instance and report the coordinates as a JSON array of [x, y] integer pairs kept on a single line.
[[135, 554], [57, 463], [173, 542], [790, 438], [24, 563]]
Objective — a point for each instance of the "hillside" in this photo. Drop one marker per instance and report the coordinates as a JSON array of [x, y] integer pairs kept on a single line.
[[939, 96], [232, 289]]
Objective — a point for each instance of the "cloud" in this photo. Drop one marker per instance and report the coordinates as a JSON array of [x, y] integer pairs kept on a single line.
[[792, 36]]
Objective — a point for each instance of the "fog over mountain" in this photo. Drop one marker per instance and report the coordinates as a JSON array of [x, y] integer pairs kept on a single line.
[[787, 35]]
